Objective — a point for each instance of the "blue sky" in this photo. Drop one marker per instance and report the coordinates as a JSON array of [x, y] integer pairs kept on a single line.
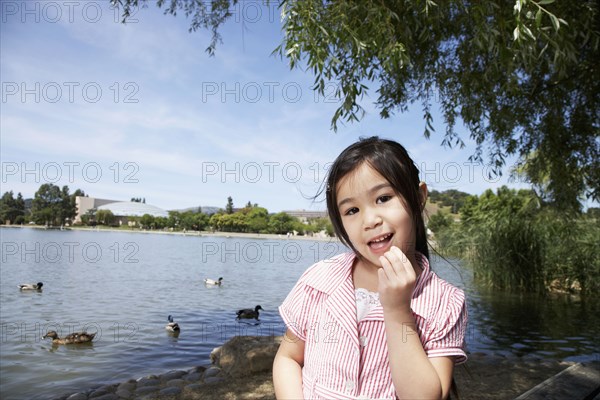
[[141, 110]]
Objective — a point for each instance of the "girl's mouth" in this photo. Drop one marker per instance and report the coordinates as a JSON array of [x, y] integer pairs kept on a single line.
[[380, 242]]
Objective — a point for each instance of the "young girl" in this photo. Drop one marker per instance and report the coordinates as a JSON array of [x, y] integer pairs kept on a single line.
[[376, 322]]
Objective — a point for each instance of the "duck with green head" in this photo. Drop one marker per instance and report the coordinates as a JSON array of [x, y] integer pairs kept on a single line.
[[172, 326], [212, 282], [31, 286]]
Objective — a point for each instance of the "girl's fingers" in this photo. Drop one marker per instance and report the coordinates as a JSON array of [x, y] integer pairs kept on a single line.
[[401, 261], [386, 268]]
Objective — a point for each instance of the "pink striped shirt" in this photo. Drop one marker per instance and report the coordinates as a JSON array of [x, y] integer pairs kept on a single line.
[[344, 358]]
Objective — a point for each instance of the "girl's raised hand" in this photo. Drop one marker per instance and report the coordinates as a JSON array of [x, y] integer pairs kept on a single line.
[[397, 279]]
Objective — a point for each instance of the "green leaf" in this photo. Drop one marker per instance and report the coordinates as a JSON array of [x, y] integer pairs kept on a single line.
[[544, 2], [555, 22], [538, 18], [528, 32]]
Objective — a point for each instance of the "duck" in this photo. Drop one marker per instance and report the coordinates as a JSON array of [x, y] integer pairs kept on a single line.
[[212, 282], [73, 338], [31, 286], [172, 326], [248, 313]]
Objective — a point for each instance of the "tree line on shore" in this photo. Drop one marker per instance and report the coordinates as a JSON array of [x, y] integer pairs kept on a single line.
[[55, 206], [513, 239], [51, 205]]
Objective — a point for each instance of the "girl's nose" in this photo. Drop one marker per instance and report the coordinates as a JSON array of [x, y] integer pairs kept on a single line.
[[372, 219]]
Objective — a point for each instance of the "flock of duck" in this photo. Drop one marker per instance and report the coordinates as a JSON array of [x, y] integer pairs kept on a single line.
[[171, 327]]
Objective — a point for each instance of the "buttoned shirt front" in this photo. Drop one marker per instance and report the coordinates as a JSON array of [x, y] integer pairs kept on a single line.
[[344, 358]]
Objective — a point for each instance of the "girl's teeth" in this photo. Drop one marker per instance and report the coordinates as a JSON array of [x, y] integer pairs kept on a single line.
[[381, 239], [377, 244]]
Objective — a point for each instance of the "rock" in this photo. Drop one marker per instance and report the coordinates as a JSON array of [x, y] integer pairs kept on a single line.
[[179, 383], [172, 375], [147, 377], [192, 388], [108, 396], [127, 386], [98, 392], [194, 377], [215, 355], [141, 391], [170, 391], [77, 396], [213, 379], [124, 394], [212, 371], [200, 370], [148, 381], [246, 355]]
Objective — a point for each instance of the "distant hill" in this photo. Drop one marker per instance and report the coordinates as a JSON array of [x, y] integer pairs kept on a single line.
[[452, 199], [208, 210]]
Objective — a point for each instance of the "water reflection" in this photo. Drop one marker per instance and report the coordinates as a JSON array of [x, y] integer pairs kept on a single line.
[[131, 300], [561, 327]]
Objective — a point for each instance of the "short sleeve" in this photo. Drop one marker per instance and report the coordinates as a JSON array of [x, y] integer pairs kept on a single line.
[[294, 310], [448, 336]]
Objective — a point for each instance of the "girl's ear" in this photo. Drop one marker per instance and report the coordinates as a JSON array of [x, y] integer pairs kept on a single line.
[[423, 194]]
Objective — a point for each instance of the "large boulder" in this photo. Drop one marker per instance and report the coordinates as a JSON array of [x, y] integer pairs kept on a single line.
[[246, 355]]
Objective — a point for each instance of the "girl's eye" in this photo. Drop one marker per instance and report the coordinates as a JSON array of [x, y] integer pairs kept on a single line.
[[351, 211], [383, 199]]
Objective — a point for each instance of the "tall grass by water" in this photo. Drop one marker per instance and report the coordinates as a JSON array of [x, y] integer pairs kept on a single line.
[[514, 244]]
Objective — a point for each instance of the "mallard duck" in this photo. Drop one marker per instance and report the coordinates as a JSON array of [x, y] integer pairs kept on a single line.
[[212, 282], [31, 286], [249, 313], [172, 326], [73, 338]]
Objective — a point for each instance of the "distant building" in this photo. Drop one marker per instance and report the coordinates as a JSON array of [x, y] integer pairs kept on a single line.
[[120, 209], [84, 204], [305, 216]]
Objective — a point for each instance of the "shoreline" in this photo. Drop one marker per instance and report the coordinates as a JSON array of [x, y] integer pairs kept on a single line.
[[483, 376], [243, 235]]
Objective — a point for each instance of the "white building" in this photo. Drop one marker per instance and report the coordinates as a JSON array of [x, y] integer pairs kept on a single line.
[[120, 209]]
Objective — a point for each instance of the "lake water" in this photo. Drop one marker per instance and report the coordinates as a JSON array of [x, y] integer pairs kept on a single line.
[[124, 285]]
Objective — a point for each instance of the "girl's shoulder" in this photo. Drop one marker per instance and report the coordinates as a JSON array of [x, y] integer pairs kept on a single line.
[[327, 274], [437, 296]]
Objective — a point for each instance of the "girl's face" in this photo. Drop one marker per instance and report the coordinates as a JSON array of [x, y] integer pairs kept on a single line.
[[374, 215]]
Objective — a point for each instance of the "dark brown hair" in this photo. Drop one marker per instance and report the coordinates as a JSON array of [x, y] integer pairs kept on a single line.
[[391, 160]]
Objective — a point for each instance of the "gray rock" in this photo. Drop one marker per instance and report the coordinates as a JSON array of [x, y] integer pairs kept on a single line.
[[192, 377], [124, 394], [128, 386], [170, 391], [147, 377], [141, 391], [176, 383], [108, 396], [192, 387], [172, 375], [77, 396], [98, 393], [194, 370], [148, 381], [213, 379], [212, 371]]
